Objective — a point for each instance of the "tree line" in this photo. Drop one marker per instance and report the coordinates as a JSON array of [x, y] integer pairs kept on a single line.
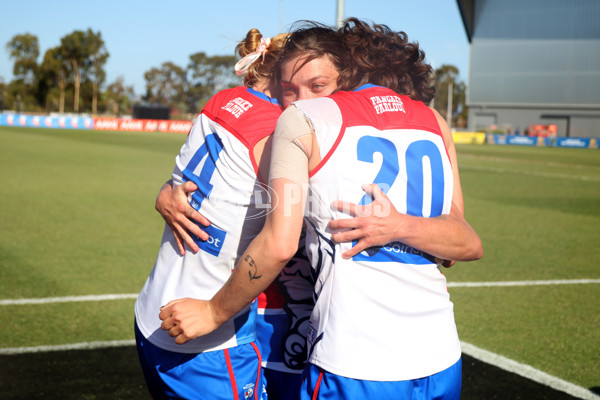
[[71, 78], [68, 79]]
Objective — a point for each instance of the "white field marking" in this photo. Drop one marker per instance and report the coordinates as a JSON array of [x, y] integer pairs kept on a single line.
[[524, 283], [468, 349], [533, 173], [528, 372], [125, 296], [531, 162], [68, 299], [64, 347]]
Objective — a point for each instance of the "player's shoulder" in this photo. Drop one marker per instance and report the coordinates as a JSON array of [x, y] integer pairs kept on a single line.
[[238, 105]]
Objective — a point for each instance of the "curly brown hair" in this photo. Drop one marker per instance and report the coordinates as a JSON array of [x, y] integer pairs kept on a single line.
[[384, 57], [261, 70], [311, 40], [363, 53]]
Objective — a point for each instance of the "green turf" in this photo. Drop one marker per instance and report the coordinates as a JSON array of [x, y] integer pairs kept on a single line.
[[537, 211], [66, 323], [78, 216], [551, 328], [78, 209]]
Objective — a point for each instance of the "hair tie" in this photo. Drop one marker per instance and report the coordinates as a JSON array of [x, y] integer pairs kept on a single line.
[[241, 67]]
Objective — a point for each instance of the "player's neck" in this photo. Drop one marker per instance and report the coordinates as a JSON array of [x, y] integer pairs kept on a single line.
[[262, 87]]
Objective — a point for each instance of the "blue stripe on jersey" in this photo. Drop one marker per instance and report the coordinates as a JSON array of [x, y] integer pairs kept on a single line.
[[262, 96], [365, 86], [394, 252]]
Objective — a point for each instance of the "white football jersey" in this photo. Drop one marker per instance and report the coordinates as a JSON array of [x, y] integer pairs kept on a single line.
[[218, 156], [384, 315]]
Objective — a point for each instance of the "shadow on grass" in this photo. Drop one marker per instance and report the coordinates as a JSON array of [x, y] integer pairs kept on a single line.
[[114, 373]]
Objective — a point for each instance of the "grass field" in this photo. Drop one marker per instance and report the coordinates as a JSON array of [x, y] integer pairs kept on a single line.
[[537, 211], [78, 219]]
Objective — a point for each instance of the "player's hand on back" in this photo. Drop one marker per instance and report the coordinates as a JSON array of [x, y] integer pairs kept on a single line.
[[373, 224], [173, 206]]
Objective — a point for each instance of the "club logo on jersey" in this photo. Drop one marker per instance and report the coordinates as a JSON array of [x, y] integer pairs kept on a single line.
[[237, 106], [248, 390], [383, 104]]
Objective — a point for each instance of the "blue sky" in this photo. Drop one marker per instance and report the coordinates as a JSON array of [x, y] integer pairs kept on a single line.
[[140, 35]]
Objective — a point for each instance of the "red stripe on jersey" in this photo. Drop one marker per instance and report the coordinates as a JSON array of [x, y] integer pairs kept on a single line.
[[330, 152]]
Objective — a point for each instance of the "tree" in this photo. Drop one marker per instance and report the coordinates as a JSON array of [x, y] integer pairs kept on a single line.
[[118, 97], [73, 48], [207, 76], [95, 64], [2, 90], [166, 85], [446, 77], [25, 50], [52, 75]]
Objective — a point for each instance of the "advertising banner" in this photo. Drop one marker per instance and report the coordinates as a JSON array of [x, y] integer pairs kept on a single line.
[[581, 143], [142, 125], [553, 141], [41, 121], [112, 124], [468, 137], [512, 139], [181, 126]]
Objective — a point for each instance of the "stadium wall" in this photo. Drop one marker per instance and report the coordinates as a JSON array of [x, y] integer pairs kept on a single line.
[[533, 62]]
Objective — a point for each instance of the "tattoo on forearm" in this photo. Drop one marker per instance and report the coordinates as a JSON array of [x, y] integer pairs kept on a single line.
[[253, 271]]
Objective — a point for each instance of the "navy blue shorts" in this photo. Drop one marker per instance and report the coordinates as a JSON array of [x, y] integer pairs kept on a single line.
[[282, 385], [229, 374]]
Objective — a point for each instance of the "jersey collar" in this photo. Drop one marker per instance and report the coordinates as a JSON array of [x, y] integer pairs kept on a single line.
[[366, 86], [262, 95]]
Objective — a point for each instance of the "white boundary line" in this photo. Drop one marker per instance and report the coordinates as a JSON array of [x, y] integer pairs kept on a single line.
[[68, 299], [64, 347], [485, 356], [469, 349], [528, 372], [524, 283], [532, 173], [127, 296], [528, 161]]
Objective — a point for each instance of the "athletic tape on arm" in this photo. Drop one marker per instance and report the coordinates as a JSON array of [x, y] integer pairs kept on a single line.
[[289, 158]]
